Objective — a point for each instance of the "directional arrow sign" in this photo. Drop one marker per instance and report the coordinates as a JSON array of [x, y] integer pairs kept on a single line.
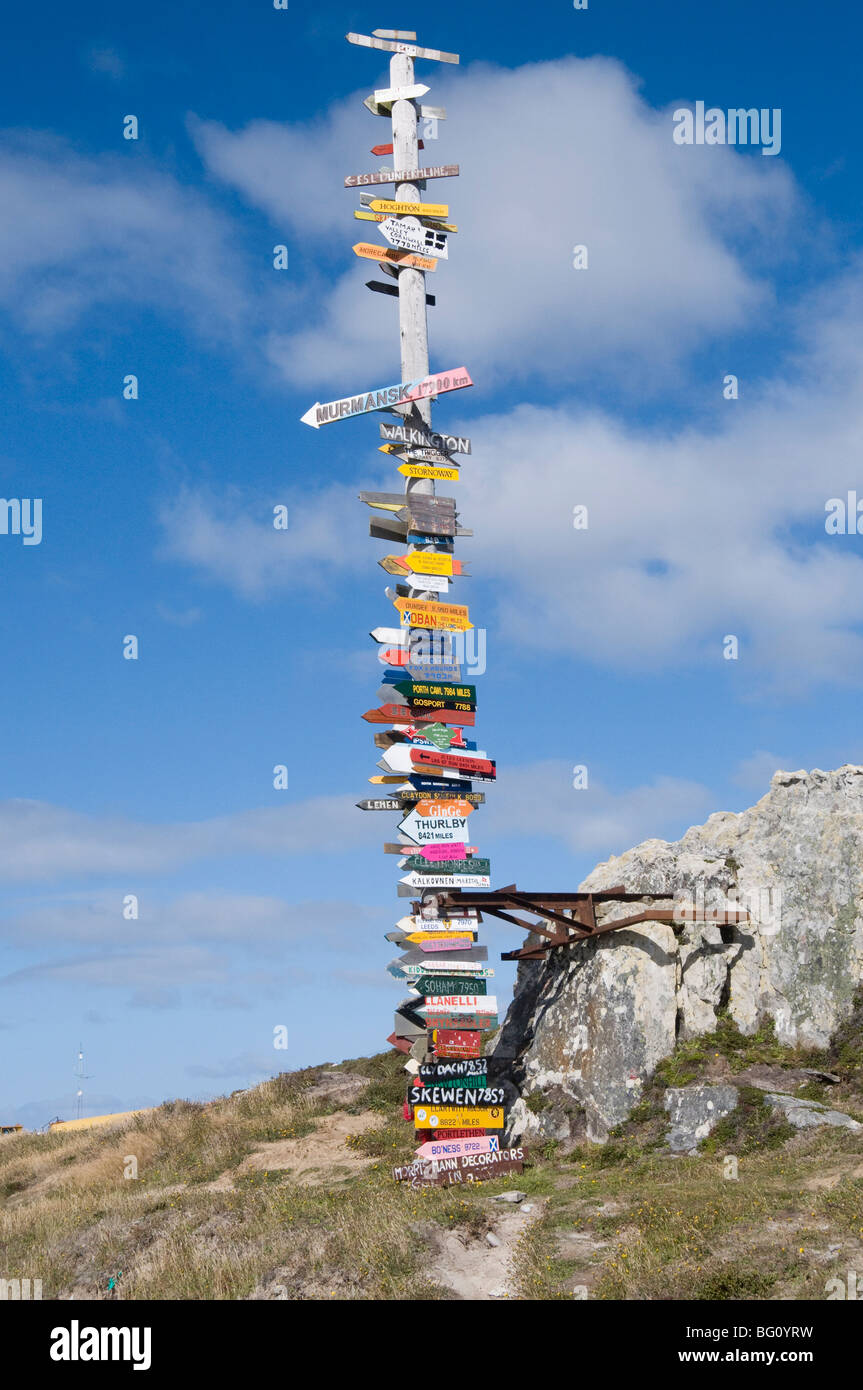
[[435, 941], [383, 41], [434, 830], [425, 1117], [392, 256], [396, 636], [437, 690], [385, 96], [433, 984], [473, 767], [426, 470], [380, 288], [457, 1043], [436, 171], [458, 1148], [429, 583], [455, 1095], [381, 803], [417, 880], [392, 208], [455, 617], [388, 397], [457, 867], [388, 149], [427, 562], [452, 851], [419, 239], [402, 35]]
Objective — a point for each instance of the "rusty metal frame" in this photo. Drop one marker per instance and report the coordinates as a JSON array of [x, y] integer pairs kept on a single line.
[[581, 925]]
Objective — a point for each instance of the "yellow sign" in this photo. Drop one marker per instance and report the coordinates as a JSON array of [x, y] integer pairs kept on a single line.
[[428, 563], [425, 470], [416, 938], [393, 209], [382, 217], [433, 615], [393, 256], [452, 1117], [383, 781]]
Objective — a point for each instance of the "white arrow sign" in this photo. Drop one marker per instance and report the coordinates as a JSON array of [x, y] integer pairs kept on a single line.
[[392, 636], [398, 759], [435, 830], [387, 95], [415, 880], [426, 240]]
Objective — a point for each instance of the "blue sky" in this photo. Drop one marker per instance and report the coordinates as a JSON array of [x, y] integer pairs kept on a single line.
[[600, 387]]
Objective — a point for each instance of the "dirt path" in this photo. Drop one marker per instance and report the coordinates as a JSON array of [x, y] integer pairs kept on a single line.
[[317, 1159], [473, 1268]]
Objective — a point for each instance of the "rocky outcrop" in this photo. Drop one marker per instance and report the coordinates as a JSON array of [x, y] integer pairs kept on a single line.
[[588, 1025], [694, 1111]]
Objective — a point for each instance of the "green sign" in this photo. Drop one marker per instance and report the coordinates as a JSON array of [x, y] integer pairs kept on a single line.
[[439, 735], [450, 984], [447, 866]]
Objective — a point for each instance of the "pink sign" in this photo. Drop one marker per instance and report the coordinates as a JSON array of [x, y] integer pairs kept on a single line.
[[458, 1148], [435, 852]]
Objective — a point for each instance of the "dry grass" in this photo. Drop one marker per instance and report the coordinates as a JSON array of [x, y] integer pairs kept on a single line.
[[625, 1221]]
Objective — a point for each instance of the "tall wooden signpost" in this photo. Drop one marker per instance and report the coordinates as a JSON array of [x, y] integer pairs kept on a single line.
[[453, 1099]]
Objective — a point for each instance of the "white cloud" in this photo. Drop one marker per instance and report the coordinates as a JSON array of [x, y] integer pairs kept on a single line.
[[552, 155], [40, 841], [538, 799], [82, 232], [229, 538], [753, 774]]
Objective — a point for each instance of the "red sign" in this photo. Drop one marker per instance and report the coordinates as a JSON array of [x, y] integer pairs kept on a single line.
[[401, 1044], [403, 714], [460, 1043], [388, 149], [426, 757]]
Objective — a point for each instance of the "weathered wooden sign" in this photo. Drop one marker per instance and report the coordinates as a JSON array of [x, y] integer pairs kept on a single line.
[[387, 44], [422, 240], [403, 35], [390, 207], [385, 96], [392, 256], [430, 1117], [471, 1168], [420, 436], [387, 397], [436, 171], [457, 1042], [380, 803]]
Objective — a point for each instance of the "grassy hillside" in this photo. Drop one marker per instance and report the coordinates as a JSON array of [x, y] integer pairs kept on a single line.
[[284, 1191]]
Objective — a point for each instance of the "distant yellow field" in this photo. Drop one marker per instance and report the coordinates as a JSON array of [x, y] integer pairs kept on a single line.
[[91, 1120]]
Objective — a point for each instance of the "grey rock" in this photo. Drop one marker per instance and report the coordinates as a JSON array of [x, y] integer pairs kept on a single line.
[[694, 1110], [808, 1114], [589, 1024], [491, 1239], [511, 1196]]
